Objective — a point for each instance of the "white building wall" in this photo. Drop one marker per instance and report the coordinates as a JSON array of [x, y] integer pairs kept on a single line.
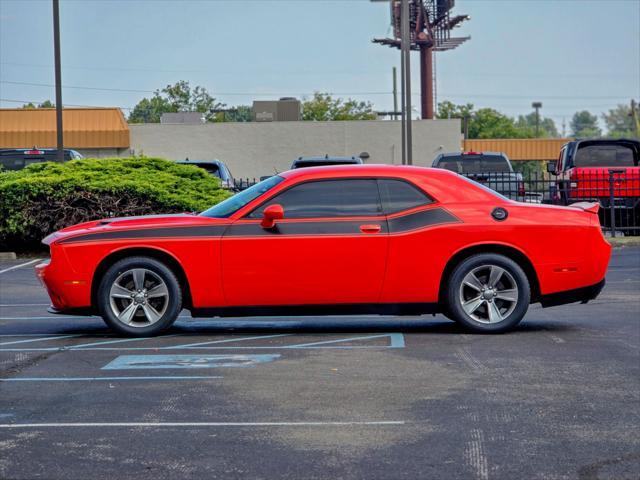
[[254, 149]]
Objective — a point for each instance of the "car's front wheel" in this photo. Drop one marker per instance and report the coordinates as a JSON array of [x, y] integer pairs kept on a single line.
[[139, 296], [488, 293]]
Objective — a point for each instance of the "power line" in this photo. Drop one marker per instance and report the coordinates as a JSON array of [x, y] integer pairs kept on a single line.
[[451, 95]]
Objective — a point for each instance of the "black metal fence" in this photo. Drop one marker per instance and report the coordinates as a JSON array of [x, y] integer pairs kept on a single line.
[[617, 192]]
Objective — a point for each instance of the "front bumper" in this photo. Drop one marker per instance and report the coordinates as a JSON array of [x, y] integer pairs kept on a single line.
[[67, 293], [582, 295]]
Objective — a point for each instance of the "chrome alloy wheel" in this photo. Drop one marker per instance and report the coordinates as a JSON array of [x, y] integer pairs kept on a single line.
[[488, 294], [139, 297]]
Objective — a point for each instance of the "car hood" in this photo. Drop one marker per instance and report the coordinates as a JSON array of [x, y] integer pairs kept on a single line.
[[133, 223]]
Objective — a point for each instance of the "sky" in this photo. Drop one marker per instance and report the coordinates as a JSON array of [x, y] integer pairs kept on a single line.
[[569, 54]]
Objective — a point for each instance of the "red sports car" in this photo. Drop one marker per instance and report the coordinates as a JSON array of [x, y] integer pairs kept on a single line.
[[345, 239]]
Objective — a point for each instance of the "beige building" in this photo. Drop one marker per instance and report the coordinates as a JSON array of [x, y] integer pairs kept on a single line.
[[254, 149]]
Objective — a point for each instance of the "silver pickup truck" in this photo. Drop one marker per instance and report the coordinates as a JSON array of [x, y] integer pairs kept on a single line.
[[492, 169]]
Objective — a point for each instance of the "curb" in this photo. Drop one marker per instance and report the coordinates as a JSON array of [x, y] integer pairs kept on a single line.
[[7, 256], [619, 242]]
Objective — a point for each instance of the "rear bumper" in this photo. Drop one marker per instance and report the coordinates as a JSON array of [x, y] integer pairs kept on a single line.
[[582, 295]]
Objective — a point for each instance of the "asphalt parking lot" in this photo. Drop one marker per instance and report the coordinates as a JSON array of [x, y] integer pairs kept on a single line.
[[325, 397]]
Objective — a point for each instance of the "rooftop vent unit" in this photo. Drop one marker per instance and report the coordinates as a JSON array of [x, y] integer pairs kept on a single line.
[[287, 109], [186, 118]]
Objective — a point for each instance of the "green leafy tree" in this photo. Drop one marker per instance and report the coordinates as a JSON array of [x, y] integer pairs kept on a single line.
[[584, 124], [323, 107], [45, 104], [240, 113], [179, 97], [619, 122], [482, 123], [527, 126], [449, 109]]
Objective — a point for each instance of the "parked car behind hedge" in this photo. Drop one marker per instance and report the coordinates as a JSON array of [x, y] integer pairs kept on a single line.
[[46, 197]]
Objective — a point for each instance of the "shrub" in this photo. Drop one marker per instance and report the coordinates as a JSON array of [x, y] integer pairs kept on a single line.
[[45, 197]]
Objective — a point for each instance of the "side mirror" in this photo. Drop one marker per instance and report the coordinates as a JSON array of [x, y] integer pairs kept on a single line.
[[271, 214], [551, 168]]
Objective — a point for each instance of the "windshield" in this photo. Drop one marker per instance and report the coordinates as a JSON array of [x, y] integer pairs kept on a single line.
[[475, 163], [605, 156], [232, 204]]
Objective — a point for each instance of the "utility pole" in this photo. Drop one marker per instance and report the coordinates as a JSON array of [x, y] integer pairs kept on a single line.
[[537, 106], [395, 93], [406, 55], [58, 74], [634, 117]]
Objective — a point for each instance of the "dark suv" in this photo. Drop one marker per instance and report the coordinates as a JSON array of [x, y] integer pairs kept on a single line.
[[18, 158]]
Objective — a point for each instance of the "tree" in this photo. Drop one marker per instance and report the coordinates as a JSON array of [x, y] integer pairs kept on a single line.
[[179, 97], [619, 122], [449, 109], [323, 107], [241, 113], [482, 123], [45, 104], [527, 126], [584, 124]]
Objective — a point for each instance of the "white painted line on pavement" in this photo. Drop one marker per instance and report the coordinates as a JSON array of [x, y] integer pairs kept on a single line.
[[25, 305], [106, 379], [49, 337], [202, 424], [15, 267]]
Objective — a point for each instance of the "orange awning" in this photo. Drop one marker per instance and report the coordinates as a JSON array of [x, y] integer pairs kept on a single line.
[[83, 128]]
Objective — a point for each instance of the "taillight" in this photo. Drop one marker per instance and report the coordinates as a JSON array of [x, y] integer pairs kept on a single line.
[[521, 189]]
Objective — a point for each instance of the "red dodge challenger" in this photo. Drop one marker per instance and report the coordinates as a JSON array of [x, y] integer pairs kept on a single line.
[[340, 240]]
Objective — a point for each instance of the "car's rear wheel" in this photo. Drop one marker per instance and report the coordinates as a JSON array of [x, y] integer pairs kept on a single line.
[[139, 296], [488, 293]]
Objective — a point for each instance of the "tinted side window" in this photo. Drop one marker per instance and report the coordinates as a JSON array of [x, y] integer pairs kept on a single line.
[[329, 198], [398, 195]]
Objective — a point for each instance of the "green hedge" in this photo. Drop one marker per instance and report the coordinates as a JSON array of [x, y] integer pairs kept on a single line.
[[45, 197]]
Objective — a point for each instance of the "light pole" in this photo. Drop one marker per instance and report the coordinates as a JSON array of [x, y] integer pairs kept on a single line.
[[405, 78], [537, 106], [58, 74]]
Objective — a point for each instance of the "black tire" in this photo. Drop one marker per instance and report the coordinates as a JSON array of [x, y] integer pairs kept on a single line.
[[155, 272], [512, 285]]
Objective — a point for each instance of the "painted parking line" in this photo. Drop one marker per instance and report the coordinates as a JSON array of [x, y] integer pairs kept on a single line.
[[204, 424], [41, 339], [15, 267], [396, 340], [227, 340], [131, 362], [119, 340], [24, 304], [105, 379]]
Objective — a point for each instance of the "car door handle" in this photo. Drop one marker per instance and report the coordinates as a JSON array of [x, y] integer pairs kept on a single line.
[[370, 228]]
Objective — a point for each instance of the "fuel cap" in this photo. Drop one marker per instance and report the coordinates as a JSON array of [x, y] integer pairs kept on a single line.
[[499, 214]]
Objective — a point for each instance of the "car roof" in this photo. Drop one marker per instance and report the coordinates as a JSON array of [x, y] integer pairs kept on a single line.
[[369, 170], [327, 158], [470, 154], [22, 150], [187, 161]]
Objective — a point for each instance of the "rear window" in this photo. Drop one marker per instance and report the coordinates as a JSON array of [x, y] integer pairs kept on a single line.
[[474, 163], [605, 156]]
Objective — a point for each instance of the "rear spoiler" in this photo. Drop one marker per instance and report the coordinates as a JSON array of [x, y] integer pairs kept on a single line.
[[591, 207]]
